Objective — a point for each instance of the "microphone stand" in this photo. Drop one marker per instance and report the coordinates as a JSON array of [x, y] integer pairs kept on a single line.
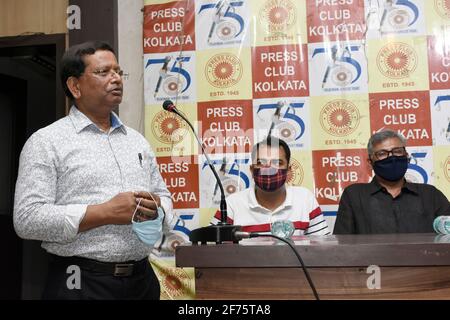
[[222, 231]]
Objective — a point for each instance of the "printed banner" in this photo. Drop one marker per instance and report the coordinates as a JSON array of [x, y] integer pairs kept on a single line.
[[336, 169], [405, 112], [323, 75]]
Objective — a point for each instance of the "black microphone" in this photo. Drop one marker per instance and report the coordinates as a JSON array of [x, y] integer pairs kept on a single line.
[[169, 106], [246, 235], [214, 233]]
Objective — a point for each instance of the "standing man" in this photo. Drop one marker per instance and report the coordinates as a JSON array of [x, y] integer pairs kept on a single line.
[[81, 182], [255, 209], [389, 203]]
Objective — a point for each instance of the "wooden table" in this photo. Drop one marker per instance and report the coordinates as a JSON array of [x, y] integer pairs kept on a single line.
[[411, 266]]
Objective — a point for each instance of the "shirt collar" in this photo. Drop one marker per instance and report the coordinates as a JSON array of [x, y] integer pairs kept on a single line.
[[81, 121], [375, 187], [412, 187], [253, 203]]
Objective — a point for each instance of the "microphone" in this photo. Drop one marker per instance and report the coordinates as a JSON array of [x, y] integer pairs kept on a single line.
[[169, 106], [222, 169], [214, 233], [246, 235]]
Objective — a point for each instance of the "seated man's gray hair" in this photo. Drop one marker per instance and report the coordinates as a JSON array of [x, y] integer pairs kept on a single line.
[[378, 137]]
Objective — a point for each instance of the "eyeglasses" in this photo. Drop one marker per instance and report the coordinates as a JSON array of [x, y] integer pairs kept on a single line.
[[276, 163], [104, 73], [383, 154]]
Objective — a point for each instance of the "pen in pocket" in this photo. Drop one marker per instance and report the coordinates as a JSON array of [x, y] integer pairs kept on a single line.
[[140, 158]]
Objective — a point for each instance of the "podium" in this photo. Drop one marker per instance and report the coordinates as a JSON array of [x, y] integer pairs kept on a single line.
[[408, 266]]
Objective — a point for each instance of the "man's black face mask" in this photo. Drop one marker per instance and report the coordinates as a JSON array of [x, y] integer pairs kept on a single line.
[[392, 168]]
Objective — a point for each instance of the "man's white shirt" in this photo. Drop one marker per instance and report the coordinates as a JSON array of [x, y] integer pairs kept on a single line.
[[300, 207]]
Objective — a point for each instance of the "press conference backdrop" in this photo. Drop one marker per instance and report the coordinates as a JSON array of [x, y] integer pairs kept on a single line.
[[323, 74]]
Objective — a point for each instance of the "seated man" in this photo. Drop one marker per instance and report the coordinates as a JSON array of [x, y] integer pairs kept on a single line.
[[270, 200], [389, 203]]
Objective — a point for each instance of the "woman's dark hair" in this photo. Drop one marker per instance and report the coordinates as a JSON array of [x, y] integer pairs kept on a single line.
[[272, 141], [72, 62]]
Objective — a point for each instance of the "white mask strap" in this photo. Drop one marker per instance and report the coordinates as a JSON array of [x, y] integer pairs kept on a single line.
[[135, 210]]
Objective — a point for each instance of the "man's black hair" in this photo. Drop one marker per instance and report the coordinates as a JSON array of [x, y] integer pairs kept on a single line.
[[72, 62], [272, 141]]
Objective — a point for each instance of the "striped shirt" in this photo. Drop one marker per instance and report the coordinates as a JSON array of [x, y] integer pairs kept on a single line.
[[300, 207]]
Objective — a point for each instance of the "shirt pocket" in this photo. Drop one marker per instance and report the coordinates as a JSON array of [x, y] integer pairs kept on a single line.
[[137, 171]]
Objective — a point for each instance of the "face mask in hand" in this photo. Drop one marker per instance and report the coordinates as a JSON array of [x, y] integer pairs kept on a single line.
[[392, 168], [148, 231]]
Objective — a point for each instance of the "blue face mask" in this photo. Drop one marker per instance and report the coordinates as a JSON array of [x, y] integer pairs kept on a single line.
[[392, 168], [149, 231]]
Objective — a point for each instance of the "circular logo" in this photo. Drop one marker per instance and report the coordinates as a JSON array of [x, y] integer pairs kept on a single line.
[[285, 131], [173, 241], [397, 60], [277, 15], [176, 282], [223, 70], [399, 19], [339, 117], [295, 176], [167, 128], [443, 8], [230, 186], [447, 168], [226, 31], [172, 85], [341, 76]]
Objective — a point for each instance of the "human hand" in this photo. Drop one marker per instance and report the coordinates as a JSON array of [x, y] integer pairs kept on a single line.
[[147, 205], [120, 208]]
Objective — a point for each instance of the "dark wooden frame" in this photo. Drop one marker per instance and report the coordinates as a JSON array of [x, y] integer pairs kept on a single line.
[[59, 40]]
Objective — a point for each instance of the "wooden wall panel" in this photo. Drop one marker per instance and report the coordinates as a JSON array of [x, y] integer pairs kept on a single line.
[[422, 283], [98, 22], [23, 17]]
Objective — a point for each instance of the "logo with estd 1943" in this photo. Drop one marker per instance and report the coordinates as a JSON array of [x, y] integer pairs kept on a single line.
[[223, 70], [168, 128], [277, 16], [447, 168], [443, 8], [397, 60], [296, 174], [175, 282], [339, 117]]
